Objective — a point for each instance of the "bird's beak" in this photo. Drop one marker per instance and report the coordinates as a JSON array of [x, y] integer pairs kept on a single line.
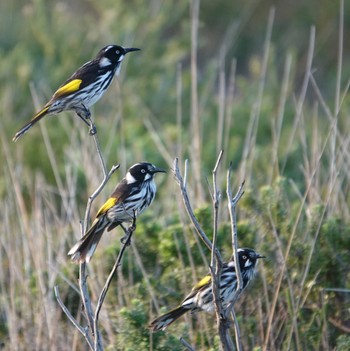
[[130, 49], [259, 256], [158, 170]]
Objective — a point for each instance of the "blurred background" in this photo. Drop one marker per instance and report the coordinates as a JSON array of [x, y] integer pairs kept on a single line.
[[266, 81]]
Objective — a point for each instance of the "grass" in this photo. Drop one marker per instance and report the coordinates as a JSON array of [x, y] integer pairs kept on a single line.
[[285, 128]]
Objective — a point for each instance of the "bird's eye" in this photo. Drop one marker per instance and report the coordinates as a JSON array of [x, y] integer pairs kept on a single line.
[[143, 171], [244, 257], [117, 52]]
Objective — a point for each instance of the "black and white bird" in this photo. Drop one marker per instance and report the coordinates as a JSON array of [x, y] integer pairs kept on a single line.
[[85, 87], [132, 195], [201, 296]]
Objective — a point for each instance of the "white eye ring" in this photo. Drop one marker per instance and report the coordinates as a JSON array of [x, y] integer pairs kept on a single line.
[[117, 52], [244, 257], [143, 171]]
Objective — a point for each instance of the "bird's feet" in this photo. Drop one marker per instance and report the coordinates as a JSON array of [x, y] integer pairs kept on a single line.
[[226, 321], [92, 130], [126, 240]]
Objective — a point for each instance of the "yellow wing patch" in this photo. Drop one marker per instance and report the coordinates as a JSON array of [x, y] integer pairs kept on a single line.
[[68, 88], [206, 280], [106, 206]]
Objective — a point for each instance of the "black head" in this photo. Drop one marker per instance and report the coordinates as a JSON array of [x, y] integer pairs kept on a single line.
[[112, 54], [248, 258], [142, 171]]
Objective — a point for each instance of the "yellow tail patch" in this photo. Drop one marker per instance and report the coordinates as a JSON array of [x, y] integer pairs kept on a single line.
[[40, 114], [68, 88]]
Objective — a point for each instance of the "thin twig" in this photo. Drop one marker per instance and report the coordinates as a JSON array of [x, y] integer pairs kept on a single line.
[[232, 203], [182, 183], [84, 292], [216, 268], [82, 266], [186, 344], [98, 148], [82, 330], [239, 345], [127, 239], [93, 196], [216, 202]]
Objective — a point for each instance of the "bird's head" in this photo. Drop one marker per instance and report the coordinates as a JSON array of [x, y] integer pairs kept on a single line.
[[248, 258], [112, 54], [142, 171]]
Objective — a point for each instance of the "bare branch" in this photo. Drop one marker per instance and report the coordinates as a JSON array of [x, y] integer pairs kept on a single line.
[[85, 296], [216, 202], [126, 242], [232, 203], [186, 344], [82, 266], [98, 148], [239, 345], [182, 183], [216, 269], [82, 330], [84, 292], [93, 196]]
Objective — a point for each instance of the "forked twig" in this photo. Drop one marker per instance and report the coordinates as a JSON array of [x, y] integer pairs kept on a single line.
[[216, 268], [83, 331], [222, 314], [232, 203], [84, 292], [182, 182]]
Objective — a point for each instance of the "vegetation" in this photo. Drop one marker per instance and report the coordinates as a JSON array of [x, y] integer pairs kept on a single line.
[[272, 91]]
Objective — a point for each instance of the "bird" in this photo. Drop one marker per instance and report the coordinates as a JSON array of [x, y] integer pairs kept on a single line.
[[201, 297], [132, 195], [84, 87]]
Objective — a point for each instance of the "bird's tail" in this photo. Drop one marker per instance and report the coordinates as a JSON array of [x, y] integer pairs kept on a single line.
[[84, 249], [162, 322], [35, 119]]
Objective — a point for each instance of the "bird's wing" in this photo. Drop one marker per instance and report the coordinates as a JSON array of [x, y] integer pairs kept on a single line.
[[84, 76], [120, 193], [202, 283]]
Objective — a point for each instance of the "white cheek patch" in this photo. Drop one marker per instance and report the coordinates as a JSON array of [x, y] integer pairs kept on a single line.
[[129, 178], [248, 263], [105, 62], [148, 176], [121, 58]]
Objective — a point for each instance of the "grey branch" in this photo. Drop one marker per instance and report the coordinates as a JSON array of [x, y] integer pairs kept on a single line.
[[126, 242], [232, 203], [82, 330], [182, 182], [186, 344], [84, 292]]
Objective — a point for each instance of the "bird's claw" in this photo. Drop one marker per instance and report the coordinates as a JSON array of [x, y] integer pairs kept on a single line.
[[92, 130], [125, 240]]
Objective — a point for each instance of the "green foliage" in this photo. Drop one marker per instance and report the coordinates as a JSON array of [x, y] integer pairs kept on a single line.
[[133, 332], [343, 343]]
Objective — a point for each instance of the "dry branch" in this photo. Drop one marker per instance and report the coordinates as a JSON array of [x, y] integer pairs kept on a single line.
[[222, 315]]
